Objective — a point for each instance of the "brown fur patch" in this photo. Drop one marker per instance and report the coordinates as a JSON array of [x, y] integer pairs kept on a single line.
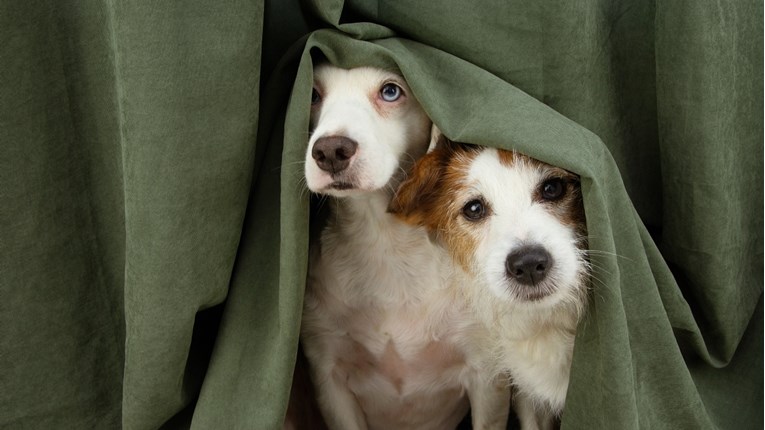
[[417, 194], [459, 234], [507, 158], [428, 197], [437, 188]]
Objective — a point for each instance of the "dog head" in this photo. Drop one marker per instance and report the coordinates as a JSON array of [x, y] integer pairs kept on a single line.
[[366, 125], [514, 222]]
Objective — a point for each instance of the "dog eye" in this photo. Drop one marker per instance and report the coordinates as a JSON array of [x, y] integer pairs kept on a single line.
[[474, 210], [390, 92], [315, 97], [553, 189]]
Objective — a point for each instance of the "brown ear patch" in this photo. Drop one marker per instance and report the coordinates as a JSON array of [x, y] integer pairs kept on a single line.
[[416, 195], [416, 200], [431, 197]]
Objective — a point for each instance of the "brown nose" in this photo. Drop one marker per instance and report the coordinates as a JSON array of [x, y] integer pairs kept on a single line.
[[528, 265], [333, 153]]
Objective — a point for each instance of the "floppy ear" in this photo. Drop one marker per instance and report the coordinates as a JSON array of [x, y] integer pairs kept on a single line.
[[437, 138], [416, 195]]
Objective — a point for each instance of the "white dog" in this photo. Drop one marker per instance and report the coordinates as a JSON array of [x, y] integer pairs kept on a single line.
[[386, 338], [516, 227]]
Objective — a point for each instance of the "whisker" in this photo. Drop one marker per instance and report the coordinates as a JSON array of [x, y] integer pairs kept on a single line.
[[600, 269], [302, 185], [290, 164], [608, 253]]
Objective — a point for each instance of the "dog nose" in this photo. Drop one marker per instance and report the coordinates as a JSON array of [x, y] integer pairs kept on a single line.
[[333, 153], [528, 265]]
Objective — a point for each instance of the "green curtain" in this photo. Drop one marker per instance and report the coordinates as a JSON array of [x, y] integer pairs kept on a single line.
[[154, 226]]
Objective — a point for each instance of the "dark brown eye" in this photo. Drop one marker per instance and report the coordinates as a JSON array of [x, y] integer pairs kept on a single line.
[[553, 189], [315, 97], [474, 210]]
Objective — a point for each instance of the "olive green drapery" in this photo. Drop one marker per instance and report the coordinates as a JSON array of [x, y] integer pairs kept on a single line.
[[153, 223]]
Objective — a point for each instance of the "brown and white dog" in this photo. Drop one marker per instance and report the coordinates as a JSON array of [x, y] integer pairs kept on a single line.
[[385, 335], [516, 228]]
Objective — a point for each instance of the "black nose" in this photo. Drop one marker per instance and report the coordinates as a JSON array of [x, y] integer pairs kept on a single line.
[[528, 264], [333, 153]]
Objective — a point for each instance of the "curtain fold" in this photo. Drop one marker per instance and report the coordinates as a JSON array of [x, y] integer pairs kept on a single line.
[[154, 222]]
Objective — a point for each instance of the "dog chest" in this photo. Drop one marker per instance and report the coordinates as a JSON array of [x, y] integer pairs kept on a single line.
[[400, 370], [402, 349]]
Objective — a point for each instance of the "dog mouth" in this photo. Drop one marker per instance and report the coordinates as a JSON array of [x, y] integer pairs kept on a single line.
[[341, 186], [531, 293]]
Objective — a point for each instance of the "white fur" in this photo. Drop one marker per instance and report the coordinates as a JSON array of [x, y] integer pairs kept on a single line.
[[387, 340], [347, 108], [532, 340]]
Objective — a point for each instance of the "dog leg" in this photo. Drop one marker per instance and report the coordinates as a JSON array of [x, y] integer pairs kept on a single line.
[[531, 416], [489, 402], [338, 404]]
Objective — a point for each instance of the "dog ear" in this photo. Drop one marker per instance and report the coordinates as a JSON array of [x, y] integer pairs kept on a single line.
[[437, 139], [418, 192]]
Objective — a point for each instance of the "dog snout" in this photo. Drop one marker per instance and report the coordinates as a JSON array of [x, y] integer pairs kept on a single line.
[[333, 153], [528, 265]]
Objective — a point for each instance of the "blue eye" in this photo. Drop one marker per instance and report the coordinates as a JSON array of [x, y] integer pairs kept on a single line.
[[390, 92]]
